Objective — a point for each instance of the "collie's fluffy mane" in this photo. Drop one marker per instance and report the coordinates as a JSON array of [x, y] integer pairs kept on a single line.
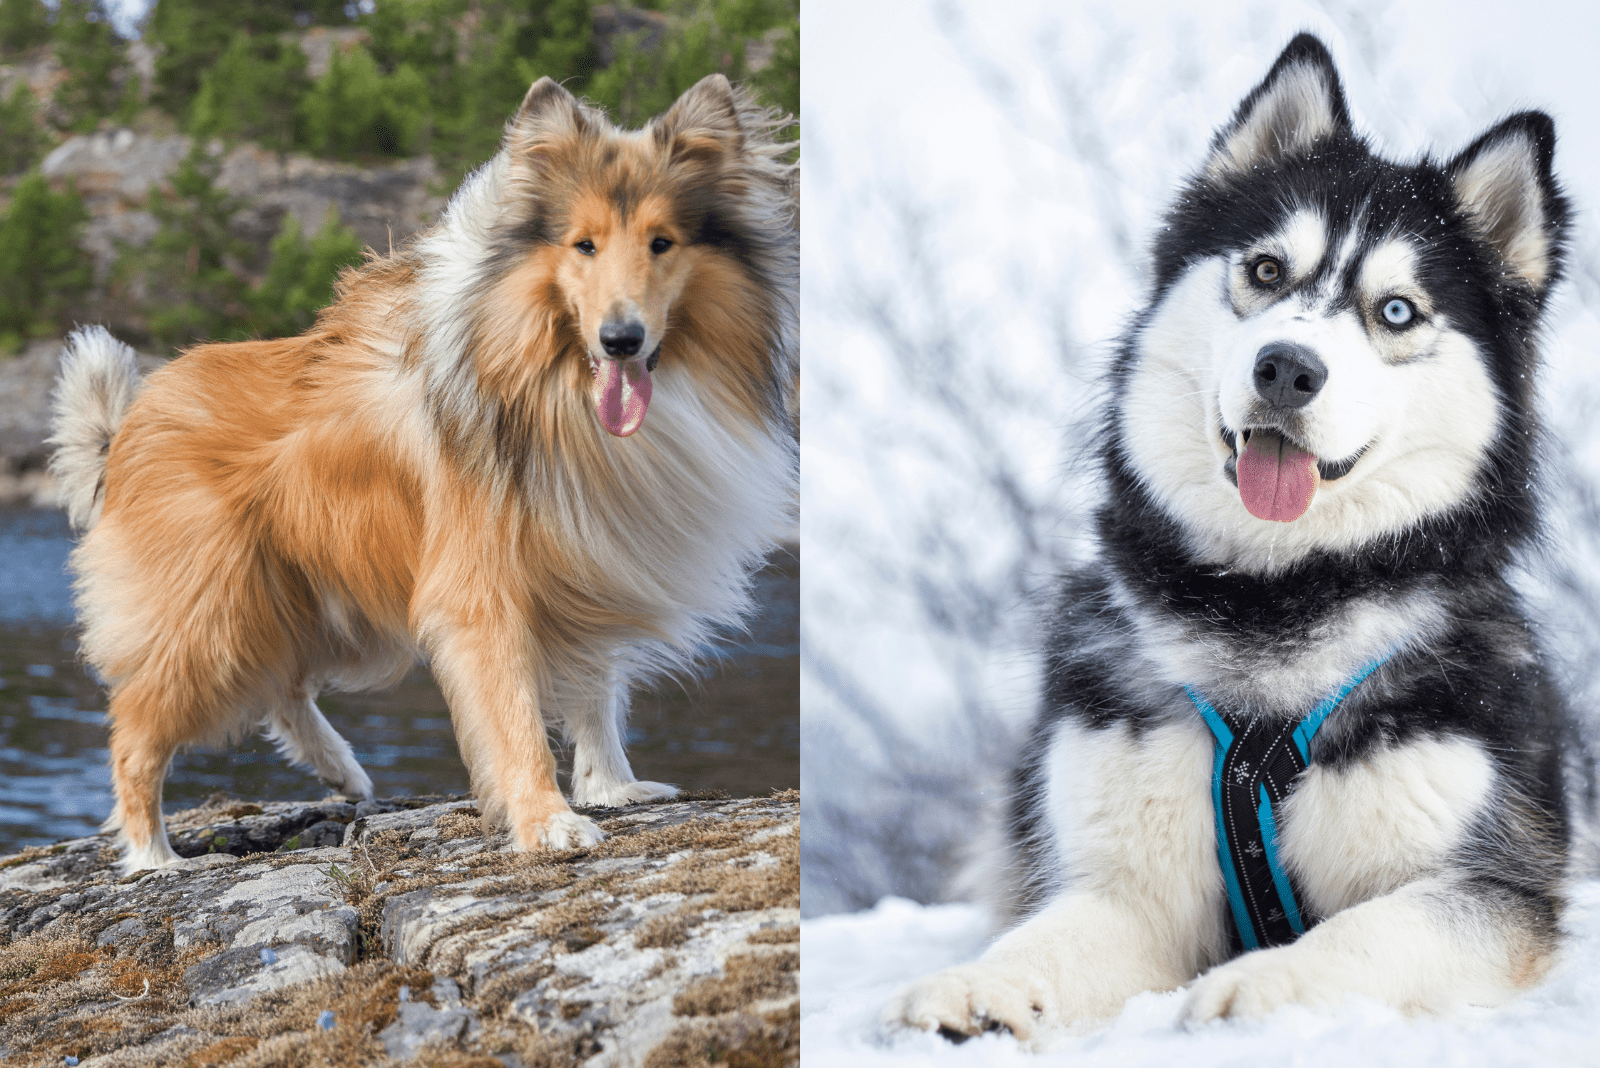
[[716, 153]]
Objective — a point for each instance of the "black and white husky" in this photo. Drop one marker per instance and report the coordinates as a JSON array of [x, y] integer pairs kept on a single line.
[[1296, 708]]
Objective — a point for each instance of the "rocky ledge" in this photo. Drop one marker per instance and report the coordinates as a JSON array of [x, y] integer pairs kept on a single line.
[[398, 932]]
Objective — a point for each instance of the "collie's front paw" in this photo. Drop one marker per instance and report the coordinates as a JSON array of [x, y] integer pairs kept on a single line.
[[591, 794], [157, 853], [968, 1000], [564, 830], [1259, 982], [352, 782]]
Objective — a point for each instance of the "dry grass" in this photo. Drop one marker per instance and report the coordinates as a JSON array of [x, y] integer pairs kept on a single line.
[[741, 1040], [744, 981]]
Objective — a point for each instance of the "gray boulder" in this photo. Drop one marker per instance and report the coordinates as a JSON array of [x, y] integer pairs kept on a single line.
[[417, 937]]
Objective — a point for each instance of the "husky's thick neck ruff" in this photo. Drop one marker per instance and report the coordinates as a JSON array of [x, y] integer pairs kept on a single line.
[[1257, 762]]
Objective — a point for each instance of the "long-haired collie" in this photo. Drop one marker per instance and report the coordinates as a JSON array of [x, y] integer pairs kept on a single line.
[[544, 446]]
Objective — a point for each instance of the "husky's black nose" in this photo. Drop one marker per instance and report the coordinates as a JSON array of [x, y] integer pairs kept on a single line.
[[622, 339], [1288, 376]]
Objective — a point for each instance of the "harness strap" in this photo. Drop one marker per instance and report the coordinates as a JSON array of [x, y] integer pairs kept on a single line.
[[1257, 761]]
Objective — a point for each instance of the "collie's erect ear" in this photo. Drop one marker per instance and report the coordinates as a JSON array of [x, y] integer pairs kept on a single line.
[[1299, 103], [705, 119], [1504, 184], [548, 109]]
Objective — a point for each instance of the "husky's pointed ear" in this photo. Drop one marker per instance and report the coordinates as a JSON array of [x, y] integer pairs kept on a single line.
[[1298, 103], [1504, 184], [547, 109], [704, 120]]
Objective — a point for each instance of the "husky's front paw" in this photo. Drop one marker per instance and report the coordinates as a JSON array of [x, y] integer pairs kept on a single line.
[[968, 1000], [566, 830], [590, 794], [1259, 982]]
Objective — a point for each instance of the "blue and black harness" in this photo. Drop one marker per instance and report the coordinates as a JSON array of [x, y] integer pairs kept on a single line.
[[1256, 763]]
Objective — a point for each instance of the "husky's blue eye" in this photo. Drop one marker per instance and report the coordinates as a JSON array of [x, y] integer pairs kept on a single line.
[[1397, 312], [660, 245], [585, 247]]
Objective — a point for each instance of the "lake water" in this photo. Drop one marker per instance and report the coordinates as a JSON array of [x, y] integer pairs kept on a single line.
[[735, 727]]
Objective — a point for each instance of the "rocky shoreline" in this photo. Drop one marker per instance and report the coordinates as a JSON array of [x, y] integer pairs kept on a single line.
[[398, 932]]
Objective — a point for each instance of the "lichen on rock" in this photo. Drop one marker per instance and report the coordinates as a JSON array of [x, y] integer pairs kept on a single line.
[[672, 942]]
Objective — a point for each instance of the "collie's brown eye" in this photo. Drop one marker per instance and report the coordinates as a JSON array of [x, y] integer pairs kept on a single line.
[[585, 247], [1268, 272], [660, 245]]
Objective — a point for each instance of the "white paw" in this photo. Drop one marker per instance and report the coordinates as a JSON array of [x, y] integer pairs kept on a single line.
[[591, 794], [1259, 982], [352, 781], [156, 854], [968, 1000], [568, 830]]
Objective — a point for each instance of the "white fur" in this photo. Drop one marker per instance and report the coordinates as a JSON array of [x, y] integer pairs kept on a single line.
[[1130, 821], [303, 736], [568, 830], [601, 775], [156, 854], [1354, 833], [1290, 117], [1179, 652], [1426, 947], [1129, 818], [99, 379], [1426, 419], [1500, 189], [1304, 240]]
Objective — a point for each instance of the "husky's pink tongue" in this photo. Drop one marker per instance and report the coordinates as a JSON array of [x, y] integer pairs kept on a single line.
[[621, 393], [1276, 478]]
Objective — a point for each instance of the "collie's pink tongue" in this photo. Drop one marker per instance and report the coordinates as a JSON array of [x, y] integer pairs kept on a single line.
[[1276, 479], [621, 393]]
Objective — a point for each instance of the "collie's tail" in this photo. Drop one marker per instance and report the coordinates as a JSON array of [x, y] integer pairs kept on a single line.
[[99, 379]]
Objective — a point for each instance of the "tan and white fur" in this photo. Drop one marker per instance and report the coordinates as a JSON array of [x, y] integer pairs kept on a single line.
[[428, 471]]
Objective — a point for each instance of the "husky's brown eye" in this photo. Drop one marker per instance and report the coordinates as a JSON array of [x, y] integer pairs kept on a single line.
[[585, 247], [660, 245], [1268, 272]]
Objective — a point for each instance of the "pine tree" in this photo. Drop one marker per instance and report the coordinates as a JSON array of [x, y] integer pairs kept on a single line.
[[43, 271], [252, 92], [192, 288], [23, 24], [21, 139], [300, 277], [354, 109], [93, 56]]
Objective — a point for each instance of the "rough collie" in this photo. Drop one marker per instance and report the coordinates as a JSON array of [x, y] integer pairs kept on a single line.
[[543, 446]]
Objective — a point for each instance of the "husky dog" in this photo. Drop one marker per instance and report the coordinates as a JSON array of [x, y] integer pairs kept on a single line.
[[455, 461], [1296, 707]]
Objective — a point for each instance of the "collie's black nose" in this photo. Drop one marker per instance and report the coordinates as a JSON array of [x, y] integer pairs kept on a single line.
[[1288, 376], [622, 339]]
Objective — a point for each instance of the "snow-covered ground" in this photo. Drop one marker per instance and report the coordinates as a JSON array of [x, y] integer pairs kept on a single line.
[[852, 964]]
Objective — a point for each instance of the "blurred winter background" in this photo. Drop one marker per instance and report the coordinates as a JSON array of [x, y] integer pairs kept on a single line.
[[981, 184]]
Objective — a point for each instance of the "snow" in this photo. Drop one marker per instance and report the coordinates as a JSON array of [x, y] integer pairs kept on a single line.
[[853, 963]]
